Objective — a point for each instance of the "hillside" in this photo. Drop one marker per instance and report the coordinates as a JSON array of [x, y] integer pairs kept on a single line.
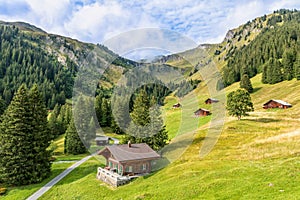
[[30, 55], [248, 48], [254, 158]]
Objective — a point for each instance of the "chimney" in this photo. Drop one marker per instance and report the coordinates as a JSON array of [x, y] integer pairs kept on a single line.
[[129, 144]]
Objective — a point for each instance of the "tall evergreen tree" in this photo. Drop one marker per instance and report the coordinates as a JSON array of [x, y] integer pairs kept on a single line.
[[73, 143], [246, 83], [83, 113], [288, 59], [2, 106], [24, 139], [140, 114], [297, 67], [41, 136]]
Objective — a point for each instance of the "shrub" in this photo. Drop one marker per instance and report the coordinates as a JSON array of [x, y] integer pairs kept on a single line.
[[3, 191]]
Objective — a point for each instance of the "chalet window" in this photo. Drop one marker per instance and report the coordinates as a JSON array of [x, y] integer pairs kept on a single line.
[[110, 164], [144, 166], [128, 169]]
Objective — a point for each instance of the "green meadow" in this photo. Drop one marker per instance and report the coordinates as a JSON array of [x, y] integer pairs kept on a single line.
[[254, 158]]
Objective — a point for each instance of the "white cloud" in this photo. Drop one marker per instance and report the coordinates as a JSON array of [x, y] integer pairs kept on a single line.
[[98, 20]]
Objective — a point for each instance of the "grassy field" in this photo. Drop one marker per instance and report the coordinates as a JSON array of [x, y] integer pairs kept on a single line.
[[255, 158], [22, 192]]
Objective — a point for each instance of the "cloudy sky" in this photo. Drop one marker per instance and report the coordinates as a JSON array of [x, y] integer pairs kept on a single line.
[[203, 21]]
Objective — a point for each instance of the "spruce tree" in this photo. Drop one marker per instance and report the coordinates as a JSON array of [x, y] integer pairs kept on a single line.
[[24, 139], [41, 136], [2, 105], [73, 143], [140, 113], [276, 74], [246, 83], [83, 112], [297, 67], [288, 59]]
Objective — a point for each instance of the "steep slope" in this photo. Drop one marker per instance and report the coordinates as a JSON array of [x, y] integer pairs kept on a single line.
[[245, 49], [30, 55]]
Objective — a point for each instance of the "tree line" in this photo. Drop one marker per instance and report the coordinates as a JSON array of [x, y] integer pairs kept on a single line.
[[24, 60], [274, 52]]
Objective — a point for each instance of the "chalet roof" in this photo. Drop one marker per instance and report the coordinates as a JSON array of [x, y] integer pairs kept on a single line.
[[202, 109], [280, 102], [135, 152]]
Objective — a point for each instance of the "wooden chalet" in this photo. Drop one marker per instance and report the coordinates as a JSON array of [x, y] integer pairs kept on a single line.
[[276, 104], [102, 140], [129, 158], [211, 100], [202, 112], [177, 105]]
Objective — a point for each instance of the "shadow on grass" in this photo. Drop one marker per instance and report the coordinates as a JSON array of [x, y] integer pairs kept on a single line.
[[263, 120], [256, 89]]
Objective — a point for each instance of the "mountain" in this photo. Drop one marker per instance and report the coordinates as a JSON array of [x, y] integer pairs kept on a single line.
[[249, 48], [30, 55]]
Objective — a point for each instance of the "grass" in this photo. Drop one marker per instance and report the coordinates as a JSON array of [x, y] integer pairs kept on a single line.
[[254, 158], [22, 192], [58, 153]]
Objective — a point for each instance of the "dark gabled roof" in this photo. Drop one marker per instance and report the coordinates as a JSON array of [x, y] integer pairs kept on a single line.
[[202, 110], [135, 152], [279, 101]]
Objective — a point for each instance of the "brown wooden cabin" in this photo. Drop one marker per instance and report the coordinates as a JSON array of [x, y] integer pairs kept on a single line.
[[202, 112], [177, 105], [276, 104], [211, 100], [129, 159], [102, 140]]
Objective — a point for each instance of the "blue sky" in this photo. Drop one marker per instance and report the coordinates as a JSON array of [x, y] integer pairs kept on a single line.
[[204, 21]]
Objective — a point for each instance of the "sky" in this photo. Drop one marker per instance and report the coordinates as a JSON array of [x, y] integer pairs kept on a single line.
[[96, 21]]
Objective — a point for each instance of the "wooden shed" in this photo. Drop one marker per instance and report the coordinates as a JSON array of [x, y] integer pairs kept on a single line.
[[202, 112], [102, 140], [211, 100], [129, 158], [177, 105], [276, 104]]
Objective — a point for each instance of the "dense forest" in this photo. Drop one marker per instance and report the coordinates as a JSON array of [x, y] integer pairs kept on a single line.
[[22, 60], [274, 52]]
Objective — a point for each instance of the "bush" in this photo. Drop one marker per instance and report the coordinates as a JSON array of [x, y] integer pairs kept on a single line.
[[3, 191]]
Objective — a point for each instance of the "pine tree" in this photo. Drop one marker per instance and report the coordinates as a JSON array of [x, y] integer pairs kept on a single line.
[[73, 143], [41, 136], [297, 67], [2, 106], [83, 112], [140, 113], [24, 139], [288, 59], [246, 83], [239, 103], [276, 75]]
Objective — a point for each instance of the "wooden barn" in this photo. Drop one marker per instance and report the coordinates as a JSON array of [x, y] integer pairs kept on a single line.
[[102, 140], [276, 104], [177, 105], [211, 100], [129, 158], [202, 112]]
